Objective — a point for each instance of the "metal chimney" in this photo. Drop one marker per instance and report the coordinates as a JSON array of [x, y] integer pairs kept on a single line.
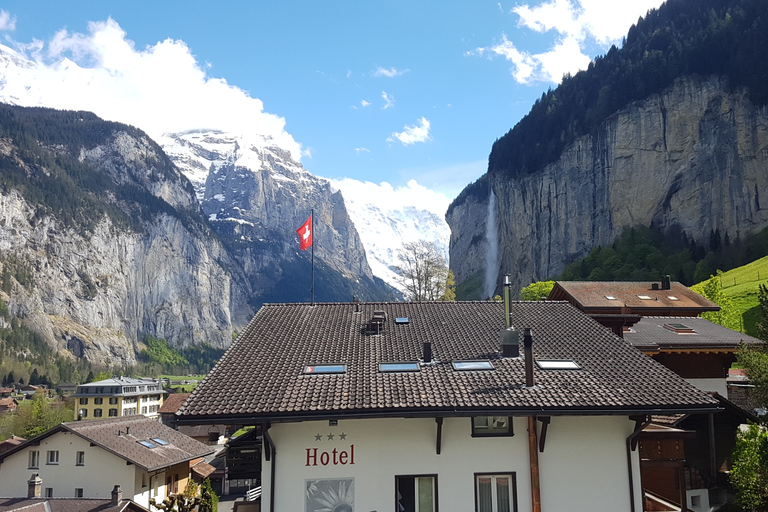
[[528, 349], [427, 352], [510, 337]]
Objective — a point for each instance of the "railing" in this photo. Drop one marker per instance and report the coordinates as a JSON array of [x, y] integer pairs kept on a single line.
[[253, 494]]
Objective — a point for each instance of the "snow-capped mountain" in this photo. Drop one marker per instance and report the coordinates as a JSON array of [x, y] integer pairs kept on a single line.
[[386, 218]]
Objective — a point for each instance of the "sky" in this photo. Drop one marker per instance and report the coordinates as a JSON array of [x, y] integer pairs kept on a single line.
[[407, 93]]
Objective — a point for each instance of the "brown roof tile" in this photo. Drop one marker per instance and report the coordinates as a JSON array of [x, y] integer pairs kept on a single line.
[[172, 403], [261, 376]]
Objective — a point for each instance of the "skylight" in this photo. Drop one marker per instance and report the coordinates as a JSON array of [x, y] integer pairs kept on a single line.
[[680, 328], [409, 366], [159, 441], [147, 444], [557, 364], [672, 297], [325, 368], [643, 297], [472, 365], [610, 297], [402, 320]]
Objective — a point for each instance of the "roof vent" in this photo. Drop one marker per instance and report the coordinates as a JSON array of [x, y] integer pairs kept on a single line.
[[666, 283], [377, 322]]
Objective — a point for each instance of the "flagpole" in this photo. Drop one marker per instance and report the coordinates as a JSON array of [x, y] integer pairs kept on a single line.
[[312, 230]]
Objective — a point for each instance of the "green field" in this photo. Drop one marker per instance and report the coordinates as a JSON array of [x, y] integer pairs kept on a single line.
[[741, 286]]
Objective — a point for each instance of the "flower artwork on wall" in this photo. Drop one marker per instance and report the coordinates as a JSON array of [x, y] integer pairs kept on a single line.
[[330, 495]]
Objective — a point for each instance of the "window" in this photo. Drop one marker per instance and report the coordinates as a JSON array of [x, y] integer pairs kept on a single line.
[[80, 459], [129, 411], [492, 426], [147, 444], [113, 412], [144, 409], [49, 492], [326, 368], [112, 400], [78, 492], [399, 367], [34, 459], [84, 400], [97, 413], [98, 401], [417, 493], [557, 364], [472, 365], [52, 457], [161, 442], [83, 413], [495, 493]]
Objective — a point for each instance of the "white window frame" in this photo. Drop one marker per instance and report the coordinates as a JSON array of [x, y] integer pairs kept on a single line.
[[52, 457], [417, 480], [483, 426], [512, 498], [80, 459], [34, 459]]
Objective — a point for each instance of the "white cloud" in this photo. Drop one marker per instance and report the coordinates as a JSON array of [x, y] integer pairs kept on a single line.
[[365, 103], [575, 22], [7, 22], [413, 134], [388, 101], [362, 150], [161, 88], [388, 197], [389, 73]]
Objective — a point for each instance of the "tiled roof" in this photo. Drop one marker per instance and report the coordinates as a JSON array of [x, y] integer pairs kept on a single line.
[[173, 402], [67, 505], [591, 295], [261, 376], [121, 437], [650, 334], [203, 470]]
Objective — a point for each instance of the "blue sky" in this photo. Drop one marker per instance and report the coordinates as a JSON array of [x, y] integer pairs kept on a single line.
[[370, 90]]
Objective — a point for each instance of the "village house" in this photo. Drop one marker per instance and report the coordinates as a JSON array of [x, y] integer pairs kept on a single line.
[[86, 459], [119, 396], [429, 406], [8, 405]]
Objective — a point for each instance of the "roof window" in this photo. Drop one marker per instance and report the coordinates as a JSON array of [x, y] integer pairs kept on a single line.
[[680, 328], [408, 366], [402, 320], [325, 368], [147, 444], [557, 364], [161, 442], [672, 297], [643, 297], [472, 365], [610, 297]]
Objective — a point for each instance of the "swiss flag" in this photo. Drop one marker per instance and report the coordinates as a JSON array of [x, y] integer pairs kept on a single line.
[[305, 234]]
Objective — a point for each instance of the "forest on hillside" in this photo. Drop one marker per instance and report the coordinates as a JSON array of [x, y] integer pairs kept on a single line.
[[682, 37]]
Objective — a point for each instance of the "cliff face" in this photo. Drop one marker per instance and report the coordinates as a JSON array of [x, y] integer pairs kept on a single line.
[[693, 157], [255, 196], [95, 283]]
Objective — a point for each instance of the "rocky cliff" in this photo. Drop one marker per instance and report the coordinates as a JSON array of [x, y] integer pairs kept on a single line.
[[255, 196], [694, 157], [102, 240]]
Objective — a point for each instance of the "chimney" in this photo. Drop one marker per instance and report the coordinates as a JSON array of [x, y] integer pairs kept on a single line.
[[34, 486], [528, 348], [427, 352], [510, 337], [117, 496], [666, 283], [655, 286]]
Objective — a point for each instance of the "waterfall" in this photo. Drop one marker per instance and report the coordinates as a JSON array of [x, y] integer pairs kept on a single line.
[[492, 252]]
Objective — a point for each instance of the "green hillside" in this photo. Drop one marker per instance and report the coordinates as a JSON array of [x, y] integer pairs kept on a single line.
[[740, 285]]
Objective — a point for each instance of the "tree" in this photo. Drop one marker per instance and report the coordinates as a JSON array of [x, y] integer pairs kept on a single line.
[[762, 324], [711, 289], [749, 474], [423, 272], [537, 290], [754, 360]]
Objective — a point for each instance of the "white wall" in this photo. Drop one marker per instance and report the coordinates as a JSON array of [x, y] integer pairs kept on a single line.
[[718, 385], [583, 467]]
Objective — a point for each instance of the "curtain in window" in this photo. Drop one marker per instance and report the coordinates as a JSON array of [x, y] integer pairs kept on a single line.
[[484, 496], [502, 494]]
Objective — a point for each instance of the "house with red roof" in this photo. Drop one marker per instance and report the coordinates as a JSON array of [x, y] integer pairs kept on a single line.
[[441, 406]]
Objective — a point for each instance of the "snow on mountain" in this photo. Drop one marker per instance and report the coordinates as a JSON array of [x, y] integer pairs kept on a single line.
[[387, 217]]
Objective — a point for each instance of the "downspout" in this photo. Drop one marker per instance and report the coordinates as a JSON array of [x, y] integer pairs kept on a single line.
[[533, 445], [271, 453], [640, 423]]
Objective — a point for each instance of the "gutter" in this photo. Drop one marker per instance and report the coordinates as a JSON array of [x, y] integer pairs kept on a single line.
[[640, 423], [270, 453]]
